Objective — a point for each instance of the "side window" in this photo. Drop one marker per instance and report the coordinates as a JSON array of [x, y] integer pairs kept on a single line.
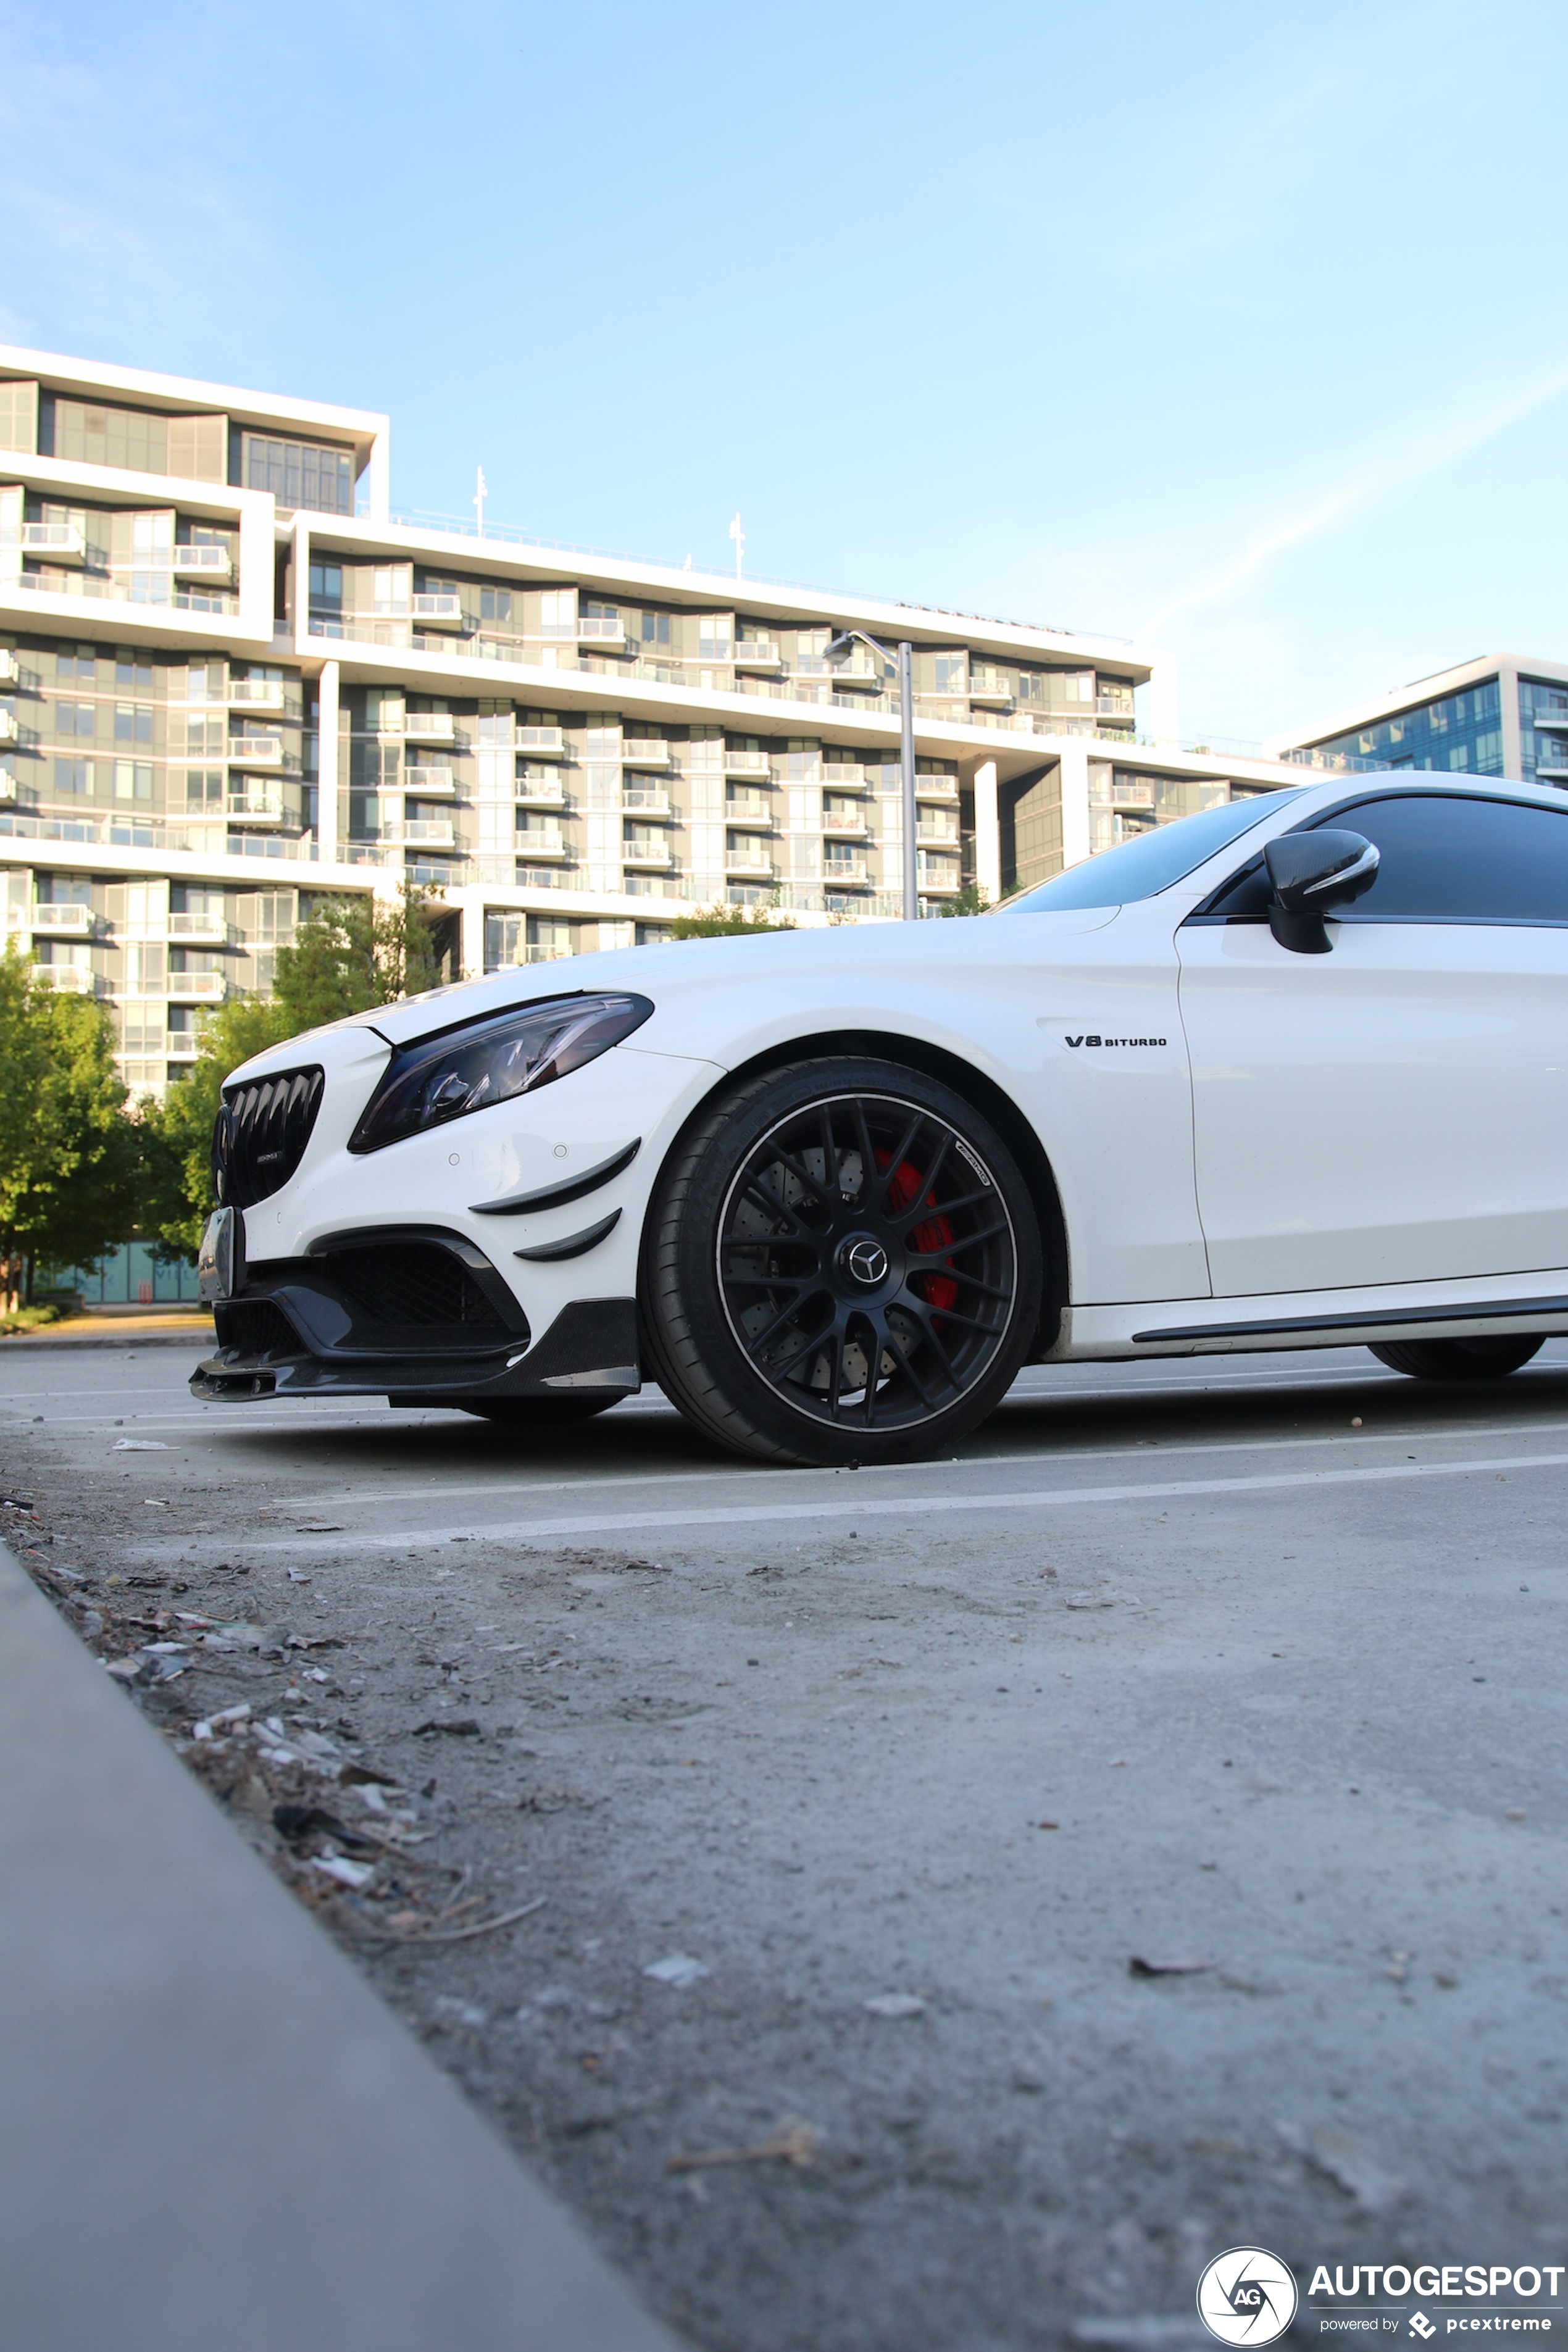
[[1453, 860], [1445, 860]]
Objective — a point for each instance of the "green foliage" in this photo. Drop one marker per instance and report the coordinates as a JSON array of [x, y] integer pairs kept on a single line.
[[352, 953], [30, 1319], [971, 900], [348, 955], [728, 922], [68, 1157]]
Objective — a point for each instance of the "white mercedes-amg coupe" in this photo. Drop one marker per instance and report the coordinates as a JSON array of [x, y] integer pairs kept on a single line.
[[1291, 1073]]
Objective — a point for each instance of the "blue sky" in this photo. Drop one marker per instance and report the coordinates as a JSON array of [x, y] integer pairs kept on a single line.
[[1236, 328]]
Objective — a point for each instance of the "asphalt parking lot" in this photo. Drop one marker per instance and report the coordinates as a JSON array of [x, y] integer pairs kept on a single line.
[[1177, 1774]]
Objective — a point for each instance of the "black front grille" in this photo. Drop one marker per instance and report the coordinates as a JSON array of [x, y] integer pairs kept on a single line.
[[260, 1133], [256, 1327], [411, 1282]]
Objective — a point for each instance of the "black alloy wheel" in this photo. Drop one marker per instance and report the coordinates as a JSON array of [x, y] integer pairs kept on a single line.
[[843, 1265], [1460, 1359]]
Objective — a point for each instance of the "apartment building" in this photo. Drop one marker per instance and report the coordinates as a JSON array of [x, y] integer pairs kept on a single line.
[[1501, 715], [234, 682]]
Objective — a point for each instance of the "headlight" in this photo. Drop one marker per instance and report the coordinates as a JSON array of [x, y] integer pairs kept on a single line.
[[490, 1061]]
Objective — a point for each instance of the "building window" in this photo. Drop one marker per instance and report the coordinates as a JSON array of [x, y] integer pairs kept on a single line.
[[299, 474], [558, 613], [495, 604], [73, 776], [326, 591], [133, 722], [130, 669], [656, 628], [133, 779], [77, 661], [76, 719]]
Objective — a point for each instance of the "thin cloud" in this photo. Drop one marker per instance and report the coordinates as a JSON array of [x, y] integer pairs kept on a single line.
[[1431, 453]]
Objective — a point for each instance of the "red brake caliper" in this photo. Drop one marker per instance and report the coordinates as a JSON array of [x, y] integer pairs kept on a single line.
[[934, 1233]]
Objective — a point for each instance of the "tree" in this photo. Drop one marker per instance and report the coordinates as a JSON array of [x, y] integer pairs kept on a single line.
[[348, 955], [728, 923], [971, 900], [352, 953], [68, 1157]]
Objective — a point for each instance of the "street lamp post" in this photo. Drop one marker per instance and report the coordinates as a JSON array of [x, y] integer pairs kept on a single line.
[[841, 645]]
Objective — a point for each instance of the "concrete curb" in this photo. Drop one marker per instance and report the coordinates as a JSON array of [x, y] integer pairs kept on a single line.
[[210, 2127], [37, 1341]]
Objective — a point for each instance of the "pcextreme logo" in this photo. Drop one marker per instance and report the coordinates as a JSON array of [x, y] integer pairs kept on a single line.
[[1247, 2296], [1113, 1041]]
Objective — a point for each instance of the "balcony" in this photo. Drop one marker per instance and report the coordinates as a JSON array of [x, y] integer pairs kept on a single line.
[[9, 671], [747, 763], [644, 800], [208, 560], [432, 611], [541, 742], [539, 791], [259, 804], [71, 979], [757, 653], [55, 543], [199, 987], [843, 779], [601, 629], [936, 788], [865, 676], [845, 820], [423, 833], [937, 877], [541, 841], [63, 923], [428, 726], [754, 809], [1118, 706], [991, 693], [647, 856], [256, 693], [255, 752], [643, 751], [847, 874], [1134, 796], [1549, 723], [934, 836], [749, 865], [9, 730], [201, 931], [433, 780]]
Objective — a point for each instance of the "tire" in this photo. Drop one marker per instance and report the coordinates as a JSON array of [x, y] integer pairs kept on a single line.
[[1460, 1359], [538, 1413], [798, 1309]]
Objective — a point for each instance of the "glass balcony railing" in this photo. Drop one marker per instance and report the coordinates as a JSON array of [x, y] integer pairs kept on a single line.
[[747, 763], [55, 543], [63, 923], [644, 800], [643, 751], [210, 559]]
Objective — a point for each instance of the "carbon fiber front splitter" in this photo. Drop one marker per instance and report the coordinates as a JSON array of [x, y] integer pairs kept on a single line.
[[590, 1347]]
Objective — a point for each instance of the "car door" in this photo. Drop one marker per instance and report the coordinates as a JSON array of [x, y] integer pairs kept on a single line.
[[1395, 1110]]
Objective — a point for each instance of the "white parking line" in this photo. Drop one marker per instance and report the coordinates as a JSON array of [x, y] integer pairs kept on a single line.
[[460, 1482], [844, 1506]]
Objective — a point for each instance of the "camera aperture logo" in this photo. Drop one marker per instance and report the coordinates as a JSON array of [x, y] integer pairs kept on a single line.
[[1247, 2296]]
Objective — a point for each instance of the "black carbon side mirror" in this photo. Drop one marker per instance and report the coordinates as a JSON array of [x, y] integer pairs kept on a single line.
[[1312, 872]]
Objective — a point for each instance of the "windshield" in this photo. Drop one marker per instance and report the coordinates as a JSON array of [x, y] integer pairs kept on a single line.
[[1142, 869]]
